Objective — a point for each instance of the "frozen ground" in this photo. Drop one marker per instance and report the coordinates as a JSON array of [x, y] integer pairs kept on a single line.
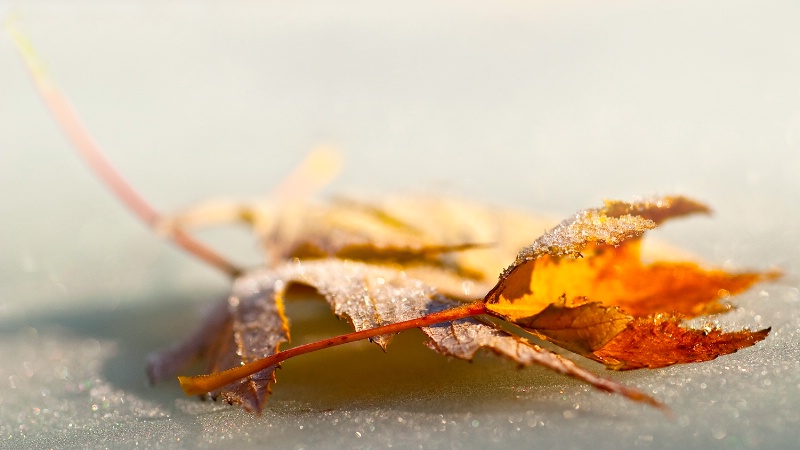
[[547, 106]]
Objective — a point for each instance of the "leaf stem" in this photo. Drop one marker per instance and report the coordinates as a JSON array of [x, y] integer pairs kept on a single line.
[[82, 141], [202, 384]]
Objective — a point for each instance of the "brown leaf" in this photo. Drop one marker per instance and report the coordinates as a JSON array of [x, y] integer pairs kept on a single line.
[[659, 341], [463, 338], [427, 237], [367, 296], [424, 235], [581, 327], [582, 286], [405, 261], [248, 325], [257, 327], [594, 258]]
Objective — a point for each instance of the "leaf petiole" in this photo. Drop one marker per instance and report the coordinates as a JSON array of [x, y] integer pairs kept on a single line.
[[84, 144], [202, 384]]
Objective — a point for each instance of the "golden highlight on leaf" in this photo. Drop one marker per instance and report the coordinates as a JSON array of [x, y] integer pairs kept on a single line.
[[584, 287]]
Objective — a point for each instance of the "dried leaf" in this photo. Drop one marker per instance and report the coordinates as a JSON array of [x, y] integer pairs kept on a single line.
[[405, 261], [581, 327], [659, 341], [581, 285], [367, 296], [420, 234], [248, 325], [617, 306]]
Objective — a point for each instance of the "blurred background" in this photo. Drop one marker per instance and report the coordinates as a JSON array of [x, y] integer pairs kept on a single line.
[[540, 106]]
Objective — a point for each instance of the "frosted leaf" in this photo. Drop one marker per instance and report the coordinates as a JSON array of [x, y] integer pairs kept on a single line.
[[423, 233], [248, 325], [395, 279], [611, 224], [583, 286]]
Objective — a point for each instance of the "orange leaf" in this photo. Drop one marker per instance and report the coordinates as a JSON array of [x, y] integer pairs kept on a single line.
[[659, 341], [594, 258]]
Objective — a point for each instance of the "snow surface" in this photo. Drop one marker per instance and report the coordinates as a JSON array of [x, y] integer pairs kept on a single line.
[[547, 106]]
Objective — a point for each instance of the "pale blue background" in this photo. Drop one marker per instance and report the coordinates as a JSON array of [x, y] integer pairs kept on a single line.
[[546, 106]]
